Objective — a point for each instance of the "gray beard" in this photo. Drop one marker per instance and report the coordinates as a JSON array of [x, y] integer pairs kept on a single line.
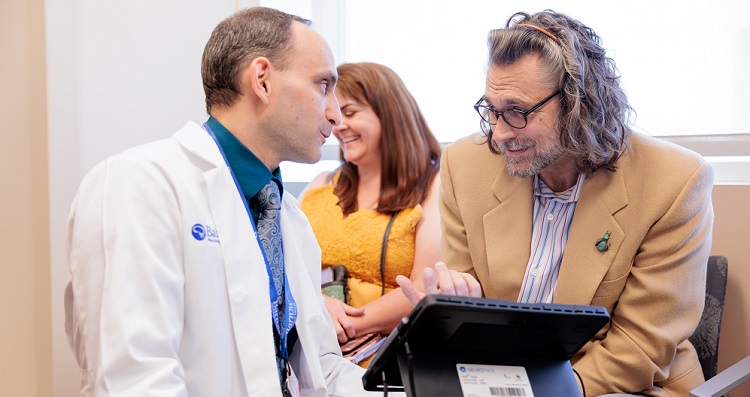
[[542, 160]]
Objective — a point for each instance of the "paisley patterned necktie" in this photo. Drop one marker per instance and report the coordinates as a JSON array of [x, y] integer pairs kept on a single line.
[[269, 233]]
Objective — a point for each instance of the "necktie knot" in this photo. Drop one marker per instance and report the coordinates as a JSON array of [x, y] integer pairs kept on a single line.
[[269, 197], [269, 225]]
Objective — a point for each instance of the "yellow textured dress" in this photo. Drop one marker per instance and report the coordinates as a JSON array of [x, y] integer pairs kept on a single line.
[[355, 241]]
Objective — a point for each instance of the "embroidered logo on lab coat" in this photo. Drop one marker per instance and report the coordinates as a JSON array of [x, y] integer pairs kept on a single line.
[[205, 232]]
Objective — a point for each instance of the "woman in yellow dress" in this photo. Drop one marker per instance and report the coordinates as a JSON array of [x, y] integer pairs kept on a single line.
[[390, 166]]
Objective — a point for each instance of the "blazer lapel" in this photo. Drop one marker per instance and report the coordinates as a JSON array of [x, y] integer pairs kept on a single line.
[[507, 230], [584, 266]]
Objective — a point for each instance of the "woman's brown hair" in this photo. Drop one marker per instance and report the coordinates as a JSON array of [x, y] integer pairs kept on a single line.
[[411, 154]]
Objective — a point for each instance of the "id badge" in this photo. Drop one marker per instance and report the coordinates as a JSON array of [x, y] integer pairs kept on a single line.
[[291, 385]]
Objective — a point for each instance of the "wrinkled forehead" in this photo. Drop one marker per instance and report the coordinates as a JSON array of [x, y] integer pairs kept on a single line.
[[527, 76]]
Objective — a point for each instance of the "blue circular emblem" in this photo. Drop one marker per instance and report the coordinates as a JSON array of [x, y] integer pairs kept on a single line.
[[199, 232], [462, 368]]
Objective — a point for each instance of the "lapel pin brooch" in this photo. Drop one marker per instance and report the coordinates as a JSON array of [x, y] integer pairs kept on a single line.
[[603, 243]]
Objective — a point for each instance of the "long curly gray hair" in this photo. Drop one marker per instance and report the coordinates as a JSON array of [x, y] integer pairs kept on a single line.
[[594, 121]]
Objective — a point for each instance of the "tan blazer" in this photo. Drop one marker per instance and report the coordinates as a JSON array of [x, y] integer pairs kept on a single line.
[[657, 208]]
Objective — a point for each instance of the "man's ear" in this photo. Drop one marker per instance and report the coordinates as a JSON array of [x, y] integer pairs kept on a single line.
[[256, 78]]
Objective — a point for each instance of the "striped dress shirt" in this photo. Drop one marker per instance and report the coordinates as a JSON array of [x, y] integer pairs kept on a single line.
[[553, 214]]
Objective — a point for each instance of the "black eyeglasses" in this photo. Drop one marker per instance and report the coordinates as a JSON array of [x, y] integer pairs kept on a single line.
[[515, 118]]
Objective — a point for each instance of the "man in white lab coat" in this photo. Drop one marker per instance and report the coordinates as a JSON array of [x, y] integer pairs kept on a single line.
[[171, 292]]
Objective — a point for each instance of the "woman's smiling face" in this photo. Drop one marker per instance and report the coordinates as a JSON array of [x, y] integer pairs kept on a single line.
[[359, 132]]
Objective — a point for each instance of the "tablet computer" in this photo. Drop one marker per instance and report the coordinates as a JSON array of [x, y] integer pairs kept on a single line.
[[444, 335]]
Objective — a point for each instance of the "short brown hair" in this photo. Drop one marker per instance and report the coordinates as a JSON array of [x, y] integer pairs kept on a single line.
[[236, 41], [411, 154]]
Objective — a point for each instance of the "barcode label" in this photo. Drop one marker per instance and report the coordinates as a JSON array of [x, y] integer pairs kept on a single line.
[[508, 391], [480, 380]]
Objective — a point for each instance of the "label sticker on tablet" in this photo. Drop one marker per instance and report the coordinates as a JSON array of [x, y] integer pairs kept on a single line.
[[493, 380]]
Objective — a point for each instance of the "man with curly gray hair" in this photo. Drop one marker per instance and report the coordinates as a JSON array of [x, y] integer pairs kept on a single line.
[[570, 205]]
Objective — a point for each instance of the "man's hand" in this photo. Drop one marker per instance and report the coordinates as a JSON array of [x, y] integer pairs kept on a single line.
[[340, 312], [440, 281]]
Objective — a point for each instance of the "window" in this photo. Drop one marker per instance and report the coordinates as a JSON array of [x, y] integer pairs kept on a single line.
[[679, 61]]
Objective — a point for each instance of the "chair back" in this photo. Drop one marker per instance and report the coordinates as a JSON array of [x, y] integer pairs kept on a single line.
[[706, 336]]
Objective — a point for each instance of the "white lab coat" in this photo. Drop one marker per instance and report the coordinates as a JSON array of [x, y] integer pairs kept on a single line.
[[152, 310]]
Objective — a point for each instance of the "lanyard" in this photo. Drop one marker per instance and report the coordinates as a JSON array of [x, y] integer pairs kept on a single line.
[[282, 321]]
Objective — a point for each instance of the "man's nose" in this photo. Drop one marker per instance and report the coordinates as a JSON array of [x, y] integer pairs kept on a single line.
[[333, 112], [502, 131]]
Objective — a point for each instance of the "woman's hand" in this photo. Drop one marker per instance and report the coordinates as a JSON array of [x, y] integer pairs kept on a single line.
[[441, 281], [340, 312]]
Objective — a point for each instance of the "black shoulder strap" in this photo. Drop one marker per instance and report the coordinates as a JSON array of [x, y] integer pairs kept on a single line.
[[383, 249]]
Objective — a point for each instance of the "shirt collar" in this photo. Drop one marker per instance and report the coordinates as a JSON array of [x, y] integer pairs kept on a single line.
[[250, 172], [571, 195]]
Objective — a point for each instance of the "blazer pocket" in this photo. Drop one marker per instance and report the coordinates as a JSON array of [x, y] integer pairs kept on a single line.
[[609, 291]]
